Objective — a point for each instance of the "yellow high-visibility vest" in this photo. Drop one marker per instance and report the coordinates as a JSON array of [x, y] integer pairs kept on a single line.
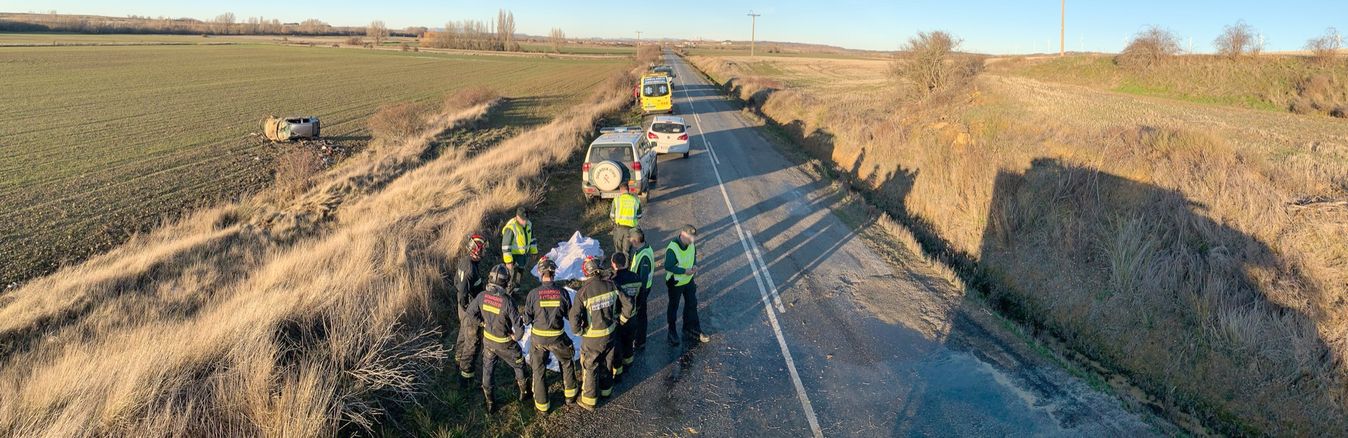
[[522, 242], [648, 254], [685, 259], [624, 210]]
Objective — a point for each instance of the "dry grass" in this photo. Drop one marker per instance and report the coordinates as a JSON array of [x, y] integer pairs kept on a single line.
[[1177, 260], [212, 327]]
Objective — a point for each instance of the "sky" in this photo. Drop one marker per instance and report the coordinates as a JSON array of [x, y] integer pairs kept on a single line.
[[986, 26]]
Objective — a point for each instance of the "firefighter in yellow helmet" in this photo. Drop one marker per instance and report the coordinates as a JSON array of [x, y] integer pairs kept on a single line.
[[625, 213], [517, 244]]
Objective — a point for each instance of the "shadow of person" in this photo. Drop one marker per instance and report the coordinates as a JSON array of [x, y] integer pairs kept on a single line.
[[1142, 279]]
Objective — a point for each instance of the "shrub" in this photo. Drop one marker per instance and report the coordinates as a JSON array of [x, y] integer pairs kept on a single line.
[[397, 121], [1325, 47], [355, 41], [1238, 40], [469, 97], [1148, 48], [929, 63], [1320, 94], [295, 170]]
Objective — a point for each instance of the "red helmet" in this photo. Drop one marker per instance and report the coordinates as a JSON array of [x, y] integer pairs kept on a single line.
[[476, 244], [590, 267]]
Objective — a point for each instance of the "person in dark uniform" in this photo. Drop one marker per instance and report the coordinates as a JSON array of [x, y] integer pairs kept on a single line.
[[466, 286], [643, 264], [595, 315], [629, 284], [680, 268], [546, 309], [501, 331]]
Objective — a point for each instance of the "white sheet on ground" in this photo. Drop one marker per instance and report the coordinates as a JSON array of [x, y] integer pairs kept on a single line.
[[568, 256]]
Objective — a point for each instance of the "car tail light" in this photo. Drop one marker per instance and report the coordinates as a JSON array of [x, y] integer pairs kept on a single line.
[[683, 137], [652, 136], [585, 167], [632, 186], [636, 165]]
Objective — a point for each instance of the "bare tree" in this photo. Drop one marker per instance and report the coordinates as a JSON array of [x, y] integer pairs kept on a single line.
[[1325, 47], [1149, 47], [224, 22], [557, 37], [929, 63], [377, 31], [1238, 40], [505, 30]]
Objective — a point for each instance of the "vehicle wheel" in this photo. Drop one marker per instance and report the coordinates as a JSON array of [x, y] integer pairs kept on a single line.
[[608, 175]]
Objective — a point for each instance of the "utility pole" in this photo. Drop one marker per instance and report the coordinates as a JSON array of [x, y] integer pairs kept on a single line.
[[753, 31], [638, 38], [1062, 32]]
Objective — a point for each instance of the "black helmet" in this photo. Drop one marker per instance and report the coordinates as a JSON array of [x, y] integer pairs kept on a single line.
[[546, 267], [499, 275], [591, 266]]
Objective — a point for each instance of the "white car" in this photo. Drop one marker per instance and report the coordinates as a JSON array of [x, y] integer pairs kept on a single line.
[[668, 135]]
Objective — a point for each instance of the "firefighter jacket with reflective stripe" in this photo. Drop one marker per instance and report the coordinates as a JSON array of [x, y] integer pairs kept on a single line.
[[547, 308], [643, 264], [517, 239], [599, 307], [678, 260], [495, 311], [466, 282], [628, 283], [626, 210]]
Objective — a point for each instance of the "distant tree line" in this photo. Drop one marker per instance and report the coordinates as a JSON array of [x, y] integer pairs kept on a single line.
[[476, 34], [223, 24]]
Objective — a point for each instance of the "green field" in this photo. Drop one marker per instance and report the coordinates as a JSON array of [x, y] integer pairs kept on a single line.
[[100, 142]]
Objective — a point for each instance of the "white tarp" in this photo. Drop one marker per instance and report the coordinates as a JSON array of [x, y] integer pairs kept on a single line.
[[568, 256]]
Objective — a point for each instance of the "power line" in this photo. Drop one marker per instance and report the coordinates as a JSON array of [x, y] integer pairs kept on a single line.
[[753, 30]]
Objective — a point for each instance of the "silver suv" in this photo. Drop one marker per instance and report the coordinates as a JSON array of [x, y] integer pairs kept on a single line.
[[619, 157]]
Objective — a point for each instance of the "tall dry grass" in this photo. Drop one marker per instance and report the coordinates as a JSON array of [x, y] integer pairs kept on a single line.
[[1175, 259], [212, 327]]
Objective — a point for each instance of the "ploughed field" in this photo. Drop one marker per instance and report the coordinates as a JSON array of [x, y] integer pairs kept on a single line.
[[97, 143]]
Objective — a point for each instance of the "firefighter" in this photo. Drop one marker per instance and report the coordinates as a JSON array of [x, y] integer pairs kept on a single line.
[[643, 264], [466, 286], [501, 331], [680, 268], [629, 284], [625, 212], [598, 310], [517, 244], [546, 308]]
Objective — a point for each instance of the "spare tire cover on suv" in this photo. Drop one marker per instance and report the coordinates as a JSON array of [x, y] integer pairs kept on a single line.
[[608, 175]]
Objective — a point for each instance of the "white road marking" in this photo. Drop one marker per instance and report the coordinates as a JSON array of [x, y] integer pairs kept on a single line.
[[760, 274]]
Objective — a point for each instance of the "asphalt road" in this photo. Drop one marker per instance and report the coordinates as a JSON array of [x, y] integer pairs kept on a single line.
[[796, 303]]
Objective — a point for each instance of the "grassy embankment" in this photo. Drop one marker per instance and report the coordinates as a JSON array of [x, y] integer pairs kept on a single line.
[[276, 315], [1187, 247]]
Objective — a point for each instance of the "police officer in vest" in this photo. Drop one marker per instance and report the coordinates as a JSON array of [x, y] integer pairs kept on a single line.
[[680, 268], [629, 284], [598, 310], [546, 308], [501, 331], [517, 244], [625, 213], [643, 264]]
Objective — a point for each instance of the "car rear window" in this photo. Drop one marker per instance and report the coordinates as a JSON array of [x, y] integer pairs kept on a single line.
[[667, 128], [621, 153], [655, 90]]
